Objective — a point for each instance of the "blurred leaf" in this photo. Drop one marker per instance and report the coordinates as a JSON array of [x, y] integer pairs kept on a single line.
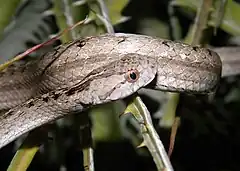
[[60, 13], [29, 25], [23, 158], [106, 122], [7, 8], [115, 7], [230, 22], [191, 4], [154, 27]]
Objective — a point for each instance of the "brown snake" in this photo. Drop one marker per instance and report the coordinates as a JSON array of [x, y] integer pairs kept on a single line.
[[97, 70]]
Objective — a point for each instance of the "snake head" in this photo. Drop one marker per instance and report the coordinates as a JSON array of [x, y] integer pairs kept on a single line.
[[118, 79]]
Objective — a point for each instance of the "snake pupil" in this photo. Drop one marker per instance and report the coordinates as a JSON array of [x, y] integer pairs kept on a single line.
[[133, 75]]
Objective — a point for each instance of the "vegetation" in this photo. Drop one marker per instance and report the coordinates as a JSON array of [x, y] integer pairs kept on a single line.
[[208, 134]]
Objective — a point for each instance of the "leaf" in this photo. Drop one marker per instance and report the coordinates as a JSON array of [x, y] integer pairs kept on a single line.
[[29, 25], [230, 22], [7, 8], [115, 8]]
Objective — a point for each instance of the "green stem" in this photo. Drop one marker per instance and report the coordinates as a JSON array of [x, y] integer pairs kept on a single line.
[[61, 20], [200, 24], [25, 154]]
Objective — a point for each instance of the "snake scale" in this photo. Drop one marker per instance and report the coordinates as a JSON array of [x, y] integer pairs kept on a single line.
[[96, 70]]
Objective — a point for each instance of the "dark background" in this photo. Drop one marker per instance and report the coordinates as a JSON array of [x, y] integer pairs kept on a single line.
[[209, 135]]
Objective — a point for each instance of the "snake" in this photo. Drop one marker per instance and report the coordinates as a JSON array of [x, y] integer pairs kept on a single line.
[[94, 70]]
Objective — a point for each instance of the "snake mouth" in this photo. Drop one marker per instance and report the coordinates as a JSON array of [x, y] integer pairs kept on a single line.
[[181, 85], [152, 84]]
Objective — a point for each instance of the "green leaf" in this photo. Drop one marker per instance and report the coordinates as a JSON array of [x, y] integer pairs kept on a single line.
[[230, 22], [115, 8], [7, 8]]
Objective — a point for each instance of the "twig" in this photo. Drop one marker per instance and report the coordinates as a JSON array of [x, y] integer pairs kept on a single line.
[[150, 136], [69, 17], [173, 135], [220, 14], [201, 21], [105, 17], [25, 154], [88, 160]]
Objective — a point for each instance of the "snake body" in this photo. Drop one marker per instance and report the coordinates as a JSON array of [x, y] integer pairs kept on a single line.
[[97, 70], [230, 57]]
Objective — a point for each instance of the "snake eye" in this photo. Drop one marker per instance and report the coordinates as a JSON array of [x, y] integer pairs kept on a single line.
[[132, 75]]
